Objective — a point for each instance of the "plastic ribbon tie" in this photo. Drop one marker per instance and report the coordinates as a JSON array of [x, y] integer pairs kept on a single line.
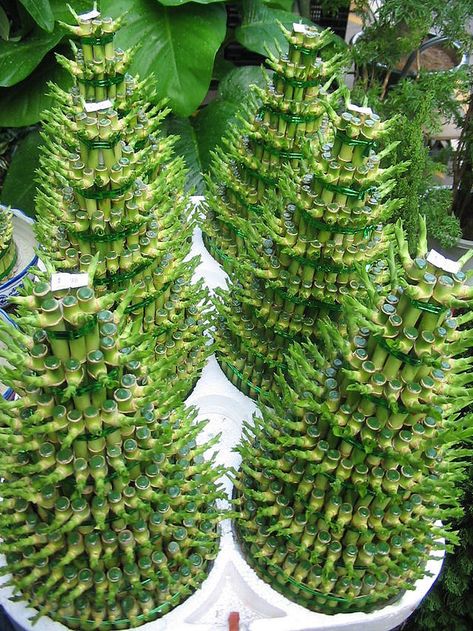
[[105, 432], [355, 142], [7, 272], [73, 334], [256, 208], [282, 153], [320, 264], [91, 237], [102, 83], [296, 83], [240, 375], [96, 193], [288, 117], [407, 359], [312, 303], [345, 190], [100, 144], [254, 173], [97, 41], [118, 278], [148, 300], [110, 381], [366, 230], [384, 403], [303, 49], [429, 307], [140, 618], [308, 589]]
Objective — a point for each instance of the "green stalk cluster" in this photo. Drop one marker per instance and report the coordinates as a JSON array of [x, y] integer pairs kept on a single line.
[[347, 477], [291, 110], [108, 516], [8, 253], [318, 229], [110, 185]]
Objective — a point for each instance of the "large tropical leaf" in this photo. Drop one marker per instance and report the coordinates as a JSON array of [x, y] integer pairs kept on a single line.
[[19, 58], [188, 147], [19, 188], [41, 12], [23, 103], [177, 3], [213, 121], [177, 44], [260, 29]]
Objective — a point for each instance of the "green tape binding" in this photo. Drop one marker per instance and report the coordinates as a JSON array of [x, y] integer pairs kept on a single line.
[[256, 208], [95, 193], [320, 264], [355, 142], [140, 618], [345, 190], [240, 376], [366, 230], [91, 237], [254, 173], [73, 334], [99, 144], [282, 153], [427, 306], [407, 359], [313, 303], [304, 50], [102, 83], [148, 300], [288, 117], [116, 279], [97, 41], [296, 83]]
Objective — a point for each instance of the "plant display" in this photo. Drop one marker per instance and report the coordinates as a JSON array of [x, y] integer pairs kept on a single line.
[[292, 109], [110, 185], [108, 516], [292, 244], [345, 477], [395, 29], [189, 47], [462, 174], [7, 245]]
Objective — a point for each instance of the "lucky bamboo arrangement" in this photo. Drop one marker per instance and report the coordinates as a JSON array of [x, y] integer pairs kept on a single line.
[[299, 249], [8, 253], [109, 185], [108, 516], [346, 478], [288, 112]]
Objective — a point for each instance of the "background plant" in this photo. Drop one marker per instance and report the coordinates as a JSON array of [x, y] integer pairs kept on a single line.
[[184, 44]]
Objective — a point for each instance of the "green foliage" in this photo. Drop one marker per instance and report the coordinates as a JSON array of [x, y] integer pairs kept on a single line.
[[19, 188], [260, 30], [449, 605], [177, 45], [442, 224]]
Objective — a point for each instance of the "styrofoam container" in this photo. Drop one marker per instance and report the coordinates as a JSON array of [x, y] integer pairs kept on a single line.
[[232, 585], [25, 242]]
